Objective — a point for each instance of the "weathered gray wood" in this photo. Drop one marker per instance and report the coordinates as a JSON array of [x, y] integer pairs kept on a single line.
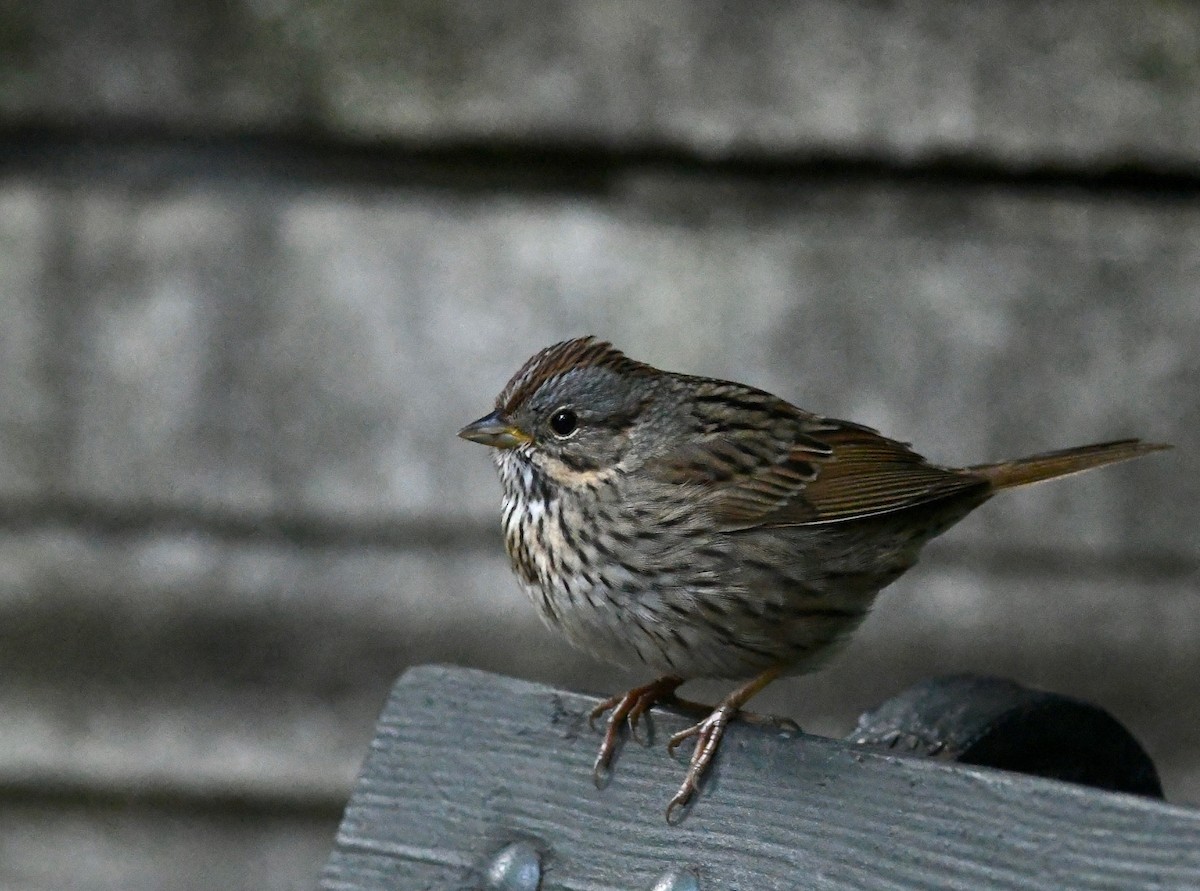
[[1022, 84], [206, 667], [93, 843], [231, 504], [315, 357], [466, 763], [149, 355]]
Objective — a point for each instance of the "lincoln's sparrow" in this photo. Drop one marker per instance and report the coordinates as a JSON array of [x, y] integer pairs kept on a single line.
[[709, 529]]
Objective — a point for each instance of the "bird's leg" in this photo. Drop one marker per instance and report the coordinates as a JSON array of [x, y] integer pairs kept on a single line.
[[628, 707], [777, 722], [708, 735]]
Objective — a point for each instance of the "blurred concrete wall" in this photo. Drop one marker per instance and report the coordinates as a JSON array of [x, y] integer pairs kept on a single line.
[[260, 260]]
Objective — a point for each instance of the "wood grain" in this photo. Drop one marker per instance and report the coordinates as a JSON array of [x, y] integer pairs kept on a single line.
[[260, 260], [999, 82], [465, 763]]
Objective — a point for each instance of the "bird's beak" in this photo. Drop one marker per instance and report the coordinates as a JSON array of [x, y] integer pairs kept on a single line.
[[492, 430]]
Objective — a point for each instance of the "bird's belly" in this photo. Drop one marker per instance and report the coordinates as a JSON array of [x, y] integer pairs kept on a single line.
[[690, 602], [677, 609]]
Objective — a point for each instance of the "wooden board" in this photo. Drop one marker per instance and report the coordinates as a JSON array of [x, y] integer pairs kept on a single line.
[[51, 841], [465, 763], [313, 370], [1058, 84]]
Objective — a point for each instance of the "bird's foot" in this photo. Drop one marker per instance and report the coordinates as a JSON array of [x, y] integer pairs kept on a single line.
[[777, 722], [711, 730], [708, 735], [627, 708]]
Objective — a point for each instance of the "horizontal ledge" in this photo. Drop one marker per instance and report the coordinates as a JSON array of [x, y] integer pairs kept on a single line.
[[269, 797], [121, 149], [156, 519], [466, 763]]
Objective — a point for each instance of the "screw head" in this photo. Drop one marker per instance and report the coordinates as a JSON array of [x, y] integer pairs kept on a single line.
[[677, 880], [517, 867]]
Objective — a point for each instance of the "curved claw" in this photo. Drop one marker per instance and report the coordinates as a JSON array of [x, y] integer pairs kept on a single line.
[[779, 722], [611, 702], [633, 721], [608, 746], [600, 769], [674, 742], [678, 802]]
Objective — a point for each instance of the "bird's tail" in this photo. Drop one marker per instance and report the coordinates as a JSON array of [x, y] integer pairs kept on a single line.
[[1048, 465]]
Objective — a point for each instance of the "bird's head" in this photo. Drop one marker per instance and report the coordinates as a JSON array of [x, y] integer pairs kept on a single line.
[[576, 408]]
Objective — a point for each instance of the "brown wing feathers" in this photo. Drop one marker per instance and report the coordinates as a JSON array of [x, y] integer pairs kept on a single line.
[[870, 474]]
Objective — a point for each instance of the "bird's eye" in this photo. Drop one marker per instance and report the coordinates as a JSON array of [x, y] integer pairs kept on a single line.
[[564, 422]]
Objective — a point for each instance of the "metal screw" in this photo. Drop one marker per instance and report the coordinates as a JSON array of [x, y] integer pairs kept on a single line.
[[677, 880], [517, 868]]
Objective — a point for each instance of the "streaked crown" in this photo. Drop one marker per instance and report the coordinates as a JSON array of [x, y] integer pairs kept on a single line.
[[557, 360]]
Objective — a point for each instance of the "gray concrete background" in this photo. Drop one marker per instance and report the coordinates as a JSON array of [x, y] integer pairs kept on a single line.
[[259, 261]]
